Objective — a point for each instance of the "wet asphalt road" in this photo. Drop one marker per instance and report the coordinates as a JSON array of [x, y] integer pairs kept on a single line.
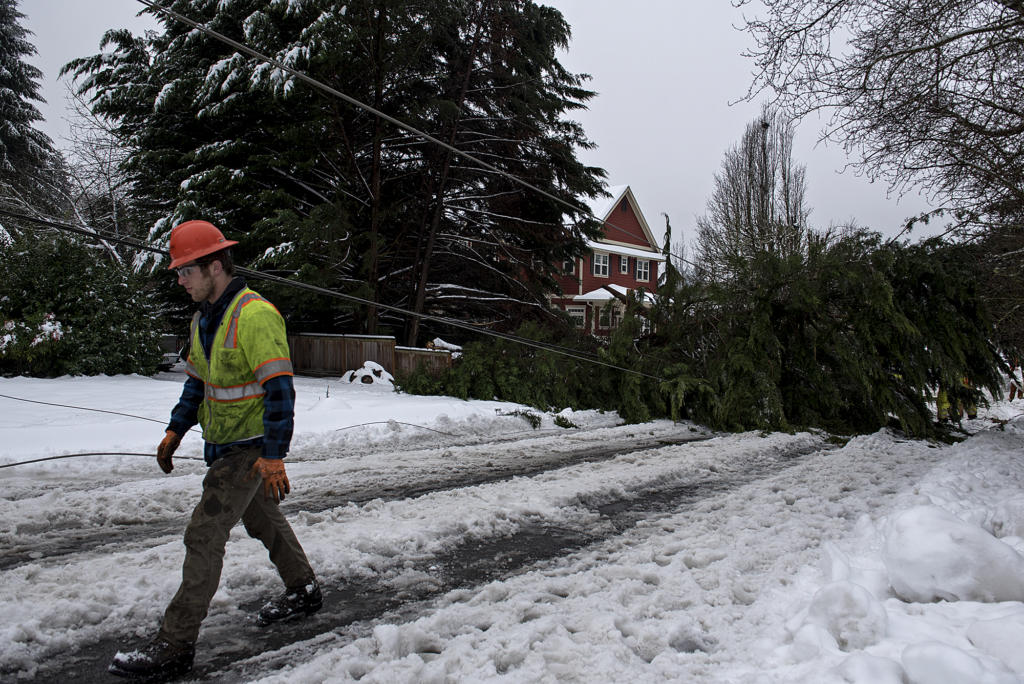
[[350, 611]]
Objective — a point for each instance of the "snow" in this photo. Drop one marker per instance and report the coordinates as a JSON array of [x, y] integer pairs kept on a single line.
[[48, 330], [603, 295], [625, 251], [932, 555], [442, 344], [880, 560], [371, 373]]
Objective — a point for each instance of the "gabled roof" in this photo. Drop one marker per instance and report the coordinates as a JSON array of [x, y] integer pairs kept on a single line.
[[602, 207]]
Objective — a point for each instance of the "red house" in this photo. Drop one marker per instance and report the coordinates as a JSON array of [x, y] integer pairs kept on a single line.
[[626, 257]]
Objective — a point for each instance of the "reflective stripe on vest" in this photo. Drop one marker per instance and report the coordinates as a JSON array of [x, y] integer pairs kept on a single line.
[[192, 370], [232, 408], [272, 369], [231, 336], [236, 393]]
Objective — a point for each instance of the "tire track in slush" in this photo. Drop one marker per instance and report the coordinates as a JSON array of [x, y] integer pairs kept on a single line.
[[351, 610], [58, 540]]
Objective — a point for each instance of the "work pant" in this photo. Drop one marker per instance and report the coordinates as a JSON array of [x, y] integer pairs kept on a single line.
[[229, 495]]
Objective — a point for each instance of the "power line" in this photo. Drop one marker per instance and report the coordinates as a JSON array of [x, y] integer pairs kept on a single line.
[[320, 85], [83, 408], [543, 346], [92, 453]]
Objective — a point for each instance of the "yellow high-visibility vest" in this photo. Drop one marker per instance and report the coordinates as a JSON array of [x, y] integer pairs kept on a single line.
[[249, 347]]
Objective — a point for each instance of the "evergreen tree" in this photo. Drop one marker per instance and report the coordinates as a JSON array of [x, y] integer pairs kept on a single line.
[[337, 196], [850, 336], [67, 308], [29, 167]]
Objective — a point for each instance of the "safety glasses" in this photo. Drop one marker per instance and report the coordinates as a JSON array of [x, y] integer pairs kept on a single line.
[[187, 271]]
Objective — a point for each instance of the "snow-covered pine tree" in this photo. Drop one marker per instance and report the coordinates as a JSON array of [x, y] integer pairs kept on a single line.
[[504, 99], [325, 190], [29, 166]]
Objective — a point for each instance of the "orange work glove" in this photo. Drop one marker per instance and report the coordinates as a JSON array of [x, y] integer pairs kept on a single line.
[[275, 482], [166, 449]]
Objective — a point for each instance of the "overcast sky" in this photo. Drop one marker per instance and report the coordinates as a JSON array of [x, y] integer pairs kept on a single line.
[[665, 72]]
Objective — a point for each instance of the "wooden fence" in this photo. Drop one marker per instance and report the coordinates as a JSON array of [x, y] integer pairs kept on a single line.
[[314, 354], [434, 361]]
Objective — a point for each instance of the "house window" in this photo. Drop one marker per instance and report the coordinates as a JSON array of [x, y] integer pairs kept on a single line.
[[569, 267], [643, 270], [604, 320], [601, 265], [578, 314], [623, 264]]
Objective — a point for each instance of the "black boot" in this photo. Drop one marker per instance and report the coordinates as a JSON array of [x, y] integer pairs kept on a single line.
[[156, 661], [294, 603]]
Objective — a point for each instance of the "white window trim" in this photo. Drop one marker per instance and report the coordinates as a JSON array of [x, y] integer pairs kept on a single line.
[[576, 310], [623, 264], [601, 260], [645, 266]]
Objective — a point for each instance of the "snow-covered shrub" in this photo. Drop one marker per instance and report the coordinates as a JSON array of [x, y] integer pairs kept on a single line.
[[70, 309], [496, 368], [32, 342]]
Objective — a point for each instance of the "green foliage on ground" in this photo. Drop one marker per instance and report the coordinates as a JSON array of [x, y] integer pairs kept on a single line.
[[851, 336], [494, 368]]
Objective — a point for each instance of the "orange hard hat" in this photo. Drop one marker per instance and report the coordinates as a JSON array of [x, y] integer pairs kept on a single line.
[[193, 239]]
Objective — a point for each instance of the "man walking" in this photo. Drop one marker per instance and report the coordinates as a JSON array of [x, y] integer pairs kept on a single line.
[[240, 391]]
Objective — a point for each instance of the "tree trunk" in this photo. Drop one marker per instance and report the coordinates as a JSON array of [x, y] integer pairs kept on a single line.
[[427, 250], [372, 265]]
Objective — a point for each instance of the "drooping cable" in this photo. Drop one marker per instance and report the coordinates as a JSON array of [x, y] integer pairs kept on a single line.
[[83, 408], [92, 453], [543, 346], [320, 85]]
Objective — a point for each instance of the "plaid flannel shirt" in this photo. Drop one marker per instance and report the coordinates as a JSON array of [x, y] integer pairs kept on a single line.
[[278, 397]]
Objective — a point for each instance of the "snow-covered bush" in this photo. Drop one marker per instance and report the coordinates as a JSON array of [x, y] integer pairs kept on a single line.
[[36, 341], [69, 309]]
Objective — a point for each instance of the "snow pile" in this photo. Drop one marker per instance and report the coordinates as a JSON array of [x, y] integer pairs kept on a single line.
[[930, 592], [1001, 638], [372, 373], [848, 613], [438, 343], [934, 662], [932, 555]]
